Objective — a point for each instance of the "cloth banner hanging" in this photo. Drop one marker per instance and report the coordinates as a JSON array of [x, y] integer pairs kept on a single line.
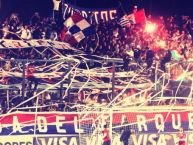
[[92, 15]]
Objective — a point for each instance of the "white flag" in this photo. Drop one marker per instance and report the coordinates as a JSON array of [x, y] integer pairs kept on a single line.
[[56, 4]]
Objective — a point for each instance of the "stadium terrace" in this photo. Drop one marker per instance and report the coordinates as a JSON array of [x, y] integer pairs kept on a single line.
[[110, 76]]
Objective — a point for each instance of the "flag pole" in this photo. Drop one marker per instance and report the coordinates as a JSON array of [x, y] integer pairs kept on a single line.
[[75, 2], [121, 6], [62, 8], [53, 9]]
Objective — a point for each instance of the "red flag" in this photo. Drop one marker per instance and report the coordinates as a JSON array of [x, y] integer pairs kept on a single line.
[[140, 16], [63, 33]]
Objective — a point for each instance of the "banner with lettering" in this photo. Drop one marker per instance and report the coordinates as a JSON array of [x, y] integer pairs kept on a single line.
[[6, 43], [92, 15], [156, 127], [60, 128], [39, 129]]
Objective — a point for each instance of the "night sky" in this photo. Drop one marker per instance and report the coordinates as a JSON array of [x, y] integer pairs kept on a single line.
[[156, 7]]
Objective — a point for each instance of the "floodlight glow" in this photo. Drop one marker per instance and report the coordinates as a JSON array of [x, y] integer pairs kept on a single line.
[[150, 28]]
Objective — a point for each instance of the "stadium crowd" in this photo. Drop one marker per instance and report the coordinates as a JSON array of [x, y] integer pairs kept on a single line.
[[173, 33], [172, 40]]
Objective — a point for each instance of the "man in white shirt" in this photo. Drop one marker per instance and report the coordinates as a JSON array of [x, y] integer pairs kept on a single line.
[[25, 33]]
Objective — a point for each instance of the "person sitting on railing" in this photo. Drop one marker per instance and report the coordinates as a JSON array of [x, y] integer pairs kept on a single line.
[[126, 61], [149, 57], [137, 54]]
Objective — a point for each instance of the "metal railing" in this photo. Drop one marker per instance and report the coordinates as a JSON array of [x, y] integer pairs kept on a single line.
[[66, 78]]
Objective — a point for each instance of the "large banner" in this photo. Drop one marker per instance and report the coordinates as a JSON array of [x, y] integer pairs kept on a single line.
[[156, 128], [59, 128], [39, 129], [6, 43], [90, 14]]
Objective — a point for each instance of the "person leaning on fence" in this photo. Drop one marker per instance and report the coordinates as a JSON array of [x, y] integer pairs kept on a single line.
[[181, 137], [125, 135], [106, 136]]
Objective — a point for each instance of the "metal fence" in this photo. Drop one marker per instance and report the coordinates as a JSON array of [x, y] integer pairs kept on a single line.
[[62, 80]]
